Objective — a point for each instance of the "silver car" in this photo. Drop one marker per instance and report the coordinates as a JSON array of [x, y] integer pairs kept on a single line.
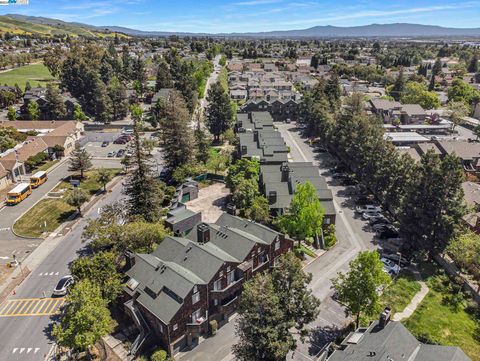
[[62, 286]]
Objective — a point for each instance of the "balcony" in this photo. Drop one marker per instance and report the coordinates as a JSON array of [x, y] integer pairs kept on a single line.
[[229, 287], [199, 326]]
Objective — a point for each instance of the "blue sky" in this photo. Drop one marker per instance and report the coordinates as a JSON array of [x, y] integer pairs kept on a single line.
[[215, 16]]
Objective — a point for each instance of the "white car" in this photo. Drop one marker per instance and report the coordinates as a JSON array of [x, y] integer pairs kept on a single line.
[[369, 215], [368, 208], [127, 131], [390, 266], [62, 286]]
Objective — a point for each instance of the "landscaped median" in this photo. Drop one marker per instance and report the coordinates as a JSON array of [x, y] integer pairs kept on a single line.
[[48, 214]]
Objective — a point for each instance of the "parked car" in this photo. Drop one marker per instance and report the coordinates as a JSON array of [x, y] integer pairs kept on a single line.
[[397, 259], [127, 131], [62, 286], [363, 200], [387, 232], [390, 266], [380, 219], [111, 154], [370, 214], [368, 208], [105, 144], [120, 141], [120, 153], [165, 175], [380, 227]]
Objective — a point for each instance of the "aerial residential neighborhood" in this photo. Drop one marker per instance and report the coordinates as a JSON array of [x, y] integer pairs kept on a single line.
[[260, 180]]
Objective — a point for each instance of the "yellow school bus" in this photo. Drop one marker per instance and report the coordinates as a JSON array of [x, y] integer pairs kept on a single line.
[[38, 179], [19, 193]]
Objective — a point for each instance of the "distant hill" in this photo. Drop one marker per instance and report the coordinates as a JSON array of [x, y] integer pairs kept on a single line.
[[20, 24], [32, 24]]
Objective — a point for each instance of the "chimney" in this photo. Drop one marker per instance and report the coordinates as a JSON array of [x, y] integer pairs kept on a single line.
[[285, 172], [203, 233], [130, 259], [240, 124], [244, 149], [272, 197], [385, 317], [255, 135]]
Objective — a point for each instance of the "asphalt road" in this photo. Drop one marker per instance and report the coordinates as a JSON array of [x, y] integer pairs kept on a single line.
[[27, 337], [353, 237]]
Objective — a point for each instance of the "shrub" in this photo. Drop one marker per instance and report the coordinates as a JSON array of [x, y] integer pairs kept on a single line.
[[159, 355], [329, 236], [213, 327]]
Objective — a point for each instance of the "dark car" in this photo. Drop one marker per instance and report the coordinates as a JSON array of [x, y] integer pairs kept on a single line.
[[105, 144], [120, 153], [378, 220], [387, 232], [165, 175], [120, 141]]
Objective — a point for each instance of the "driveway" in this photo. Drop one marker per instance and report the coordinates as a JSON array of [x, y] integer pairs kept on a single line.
[[352, 238]]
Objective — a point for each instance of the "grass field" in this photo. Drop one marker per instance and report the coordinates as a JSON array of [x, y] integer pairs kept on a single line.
[[35, 74], [54, 211], [399, 294], [437, 321]]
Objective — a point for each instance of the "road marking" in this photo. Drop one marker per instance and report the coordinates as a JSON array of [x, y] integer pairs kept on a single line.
[[31, 307], [4, 229]]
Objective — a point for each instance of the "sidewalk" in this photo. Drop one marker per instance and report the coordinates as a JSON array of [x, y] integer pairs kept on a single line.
[[416, 300]]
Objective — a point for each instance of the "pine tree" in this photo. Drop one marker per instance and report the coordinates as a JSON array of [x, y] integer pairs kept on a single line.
[[176, 135], [202, 142], [144, 194], [473, 66], [56, 106], [398, 86], [102, 102], [164, 78], [118, 96], [219, 111], [80, 160]]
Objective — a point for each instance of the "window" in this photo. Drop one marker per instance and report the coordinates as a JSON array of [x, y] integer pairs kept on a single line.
[[230, 277], [215, 302], [195, 298], [175, 327], [262, 258], [277, 245], [217, 285], [160, 327], [197, 315]]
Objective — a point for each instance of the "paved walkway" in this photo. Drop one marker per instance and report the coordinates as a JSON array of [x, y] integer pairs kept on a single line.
[[416, 300]]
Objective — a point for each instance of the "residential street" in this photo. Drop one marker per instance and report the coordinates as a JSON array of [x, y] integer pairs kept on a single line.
[[26, 336], [352, 238]]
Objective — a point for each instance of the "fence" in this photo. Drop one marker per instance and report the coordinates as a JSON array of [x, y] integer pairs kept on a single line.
[[210, 176]]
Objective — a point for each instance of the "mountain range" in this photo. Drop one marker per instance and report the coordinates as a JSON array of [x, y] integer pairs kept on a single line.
[[31, 24]]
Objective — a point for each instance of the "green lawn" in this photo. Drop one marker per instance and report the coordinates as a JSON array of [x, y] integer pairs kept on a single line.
[[438, 322], [35, 74], [46, 165], [89, 183], [399, 294], [51, 211], [55, 211]]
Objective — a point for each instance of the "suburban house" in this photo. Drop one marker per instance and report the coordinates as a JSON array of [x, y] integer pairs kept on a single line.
[[392, 111], [471, 194], [258, 139], [38, 95], [468, 152], [279, 182], [49, 134], [175, 292], [386, 340], [280, 110]]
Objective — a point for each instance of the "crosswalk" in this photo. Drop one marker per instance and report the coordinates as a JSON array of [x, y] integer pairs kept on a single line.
[[26, 350], [44, 274], [31, 307]]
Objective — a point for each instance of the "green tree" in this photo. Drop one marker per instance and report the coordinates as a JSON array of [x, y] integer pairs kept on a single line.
[[457, 111], [164, 79], [460, 91], [437, 67], [259, 210], [175, 133], [245, 193], [202, 142], [290, 282], [144, 193], [78, 114], [219, 111], [103, 177], [76, 198], [398, 86], [101, 271], [305, 215], [357, 290], [218, 161], [85, 318], [102, 104], [433, 206], [159, 355], [473, 65], [33, 110], [56, 105], [263, 332], [118, 95], [80, 161], [12, 113], [417, 93], [242, 169]]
